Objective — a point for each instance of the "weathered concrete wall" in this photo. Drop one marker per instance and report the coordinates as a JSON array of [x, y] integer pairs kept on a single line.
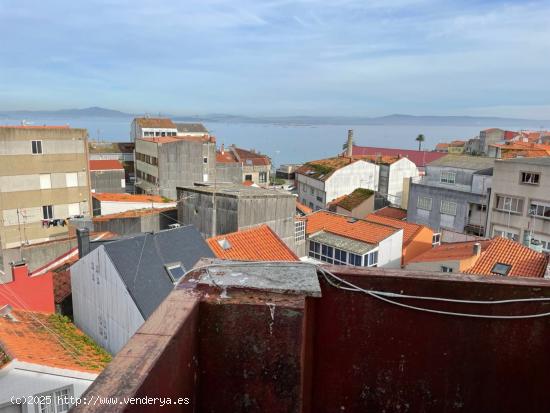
[[136, 225], [229, 172], [108, 181]]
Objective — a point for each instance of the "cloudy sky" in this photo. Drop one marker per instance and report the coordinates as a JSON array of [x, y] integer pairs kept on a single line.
[[279, 57]]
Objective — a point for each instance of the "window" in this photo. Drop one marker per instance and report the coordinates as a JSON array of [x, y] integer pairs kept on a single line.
[[424, 203], [446, 269], [327, 253], [72, 179], [175, 271], [506, 234], [300, 230], [47, 211], [448, 207], [501, 269], [58, 401], [320, 199], [74, 209], [371, 259], [36, 147], [314, 249], [45, 181], [262, 177], [448, 177], [355, 259], [340, 256], [530, 178], [539, 209], [509, 204], [436, 239], [205, 160], [248, 177], [123, 183]]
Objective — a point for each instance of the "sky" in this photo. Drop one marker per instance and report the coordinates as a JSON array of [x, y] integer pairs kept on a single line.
[[278, 57]]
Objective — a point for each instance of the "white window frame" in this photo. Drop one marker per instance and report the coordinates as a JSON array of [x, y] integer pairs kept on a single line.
[[48, 215], [540, 209], [505, 234], [436, 239], [38, 145], [424, 199], [447, 177], [530, 178], [448, 207], [444, 268], [54, 397], [299, 230], [508, 204], [71, 179]]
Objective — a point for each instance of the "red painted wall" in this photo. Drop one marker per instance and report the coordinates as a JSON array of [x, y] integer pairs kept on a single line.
[[28, 293]]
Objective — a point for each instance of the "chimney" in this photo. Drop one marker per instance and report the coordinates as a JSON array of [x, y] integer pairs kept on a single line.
[[222, 149], [477, 249], [83, 239], [19, 270], [349, 146]]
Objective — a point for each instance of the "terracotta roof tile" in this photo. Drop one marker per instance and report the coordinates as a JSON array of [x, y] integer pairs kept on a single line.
[[105, 165], [254, 244], [392, 212], [164, 123], [50, 340], [358, 229], [451, 251], [410, 230], [353, 200], [106, 196], [419, 158], [322, 169], [524, 261], [303, 209]]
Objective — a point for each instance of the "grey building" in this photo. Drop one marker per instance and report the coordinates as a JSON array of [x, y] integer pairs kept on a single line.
[[238, 165], [453, 195], [164, 163], [116, 151], [136, 221], [107, 176], [234, 207], [488, 137], [520, 201]]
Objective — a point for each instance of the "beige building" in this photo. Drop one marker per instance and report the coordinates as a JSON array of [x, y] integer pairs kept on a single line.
[[44, 180], [520, 201]]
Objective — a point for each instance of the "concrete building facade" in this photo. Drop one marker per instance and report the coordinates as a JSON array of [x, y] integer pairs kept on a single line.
[[162, 164], [453, 195], [238, 165], [44, 180], [107, 176], [236, 207], [520, 201]]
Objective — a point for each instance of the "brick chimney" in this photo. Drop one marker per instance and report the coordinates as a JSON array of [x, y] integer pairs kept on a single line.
[[349, 149], [83, 240], [19, 269]]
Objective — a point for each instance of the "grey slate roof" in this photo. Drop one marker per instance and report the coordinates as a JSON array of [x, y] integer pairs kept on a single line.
[[475, 163], [336, 241], [191, 128], [140, 262]]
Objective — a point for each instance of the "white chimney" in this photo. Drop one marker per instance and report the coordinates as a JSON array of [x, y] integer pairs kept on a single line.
[[477, 248], [349, 148]]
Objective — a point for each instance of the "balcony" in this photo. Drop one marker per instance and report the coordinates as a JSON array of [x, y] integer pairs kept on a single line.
[[264, 345]]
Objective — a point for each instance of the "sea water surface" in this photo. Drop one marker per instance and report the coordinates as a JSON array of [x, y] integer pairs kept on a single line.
[[285, 143]]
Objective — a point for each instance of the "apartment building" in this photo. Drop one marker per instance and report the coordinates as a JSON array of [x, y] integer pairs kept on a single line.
[[520, 201], [238, 165], [164, 163], [322, 181], [453, 195], [152, 127], [107, 176], [44, 180]]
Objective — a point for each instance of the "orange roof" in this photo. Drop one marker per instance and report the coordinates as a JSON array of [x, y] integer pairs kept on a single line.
[[410, 230], [104, 165], [49, 340], [442, 146], [382, 159], [133, 213], [303, 209], [392, 212], [34, 127], [164, 123], [225, 157], [234, 154], [106, 196], [358, 229], [524, 261], [451, 251], [248, 183], [254, 244]]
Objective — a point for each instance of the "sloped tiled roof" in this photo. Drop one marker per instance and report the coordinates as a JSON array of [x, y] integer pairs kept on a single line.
[[303, 209], [254, 244], [164, 123], [392, 212], [133, 213], [419, 158], [191, 128], [233, 155], [322, 169], [524, 261], [353, 200], [451, 251], [105, 165], [410, 230], [50, 340], [106, 196], [358, 229]]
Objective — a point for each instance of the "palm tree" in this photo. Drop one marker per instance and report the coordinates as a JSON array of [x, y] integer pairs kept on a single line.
[[420, 138]]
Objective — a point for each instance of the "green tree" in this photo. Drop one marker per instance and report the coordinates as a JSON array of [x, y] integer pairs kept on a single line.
[[420, 138]]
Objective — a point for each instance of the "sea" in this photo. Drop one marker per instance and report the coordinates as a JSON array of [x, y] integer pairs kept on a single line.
[[285, 144]]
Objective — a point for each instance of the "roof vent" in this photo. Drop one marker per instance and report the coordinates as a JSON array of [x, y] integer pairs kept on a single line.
[[352, 220], [5, 311], [224, 243]]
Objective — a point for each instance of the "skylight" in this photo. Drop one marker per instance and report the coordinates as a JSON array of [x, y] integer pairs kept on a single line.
[[175, 271], [224, 244], [501, 269]]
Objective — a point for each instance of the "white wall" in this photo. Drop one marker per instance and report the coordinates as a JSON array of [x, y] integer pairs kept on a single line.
[[403, 168], [20, 379], [390, 250], [100, 297], [359, 174], [113, 207]]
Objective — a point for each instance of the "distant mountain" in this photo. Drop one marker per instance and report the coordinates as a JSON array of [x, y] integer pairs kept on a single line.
[[396, 119], [92, 112]]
